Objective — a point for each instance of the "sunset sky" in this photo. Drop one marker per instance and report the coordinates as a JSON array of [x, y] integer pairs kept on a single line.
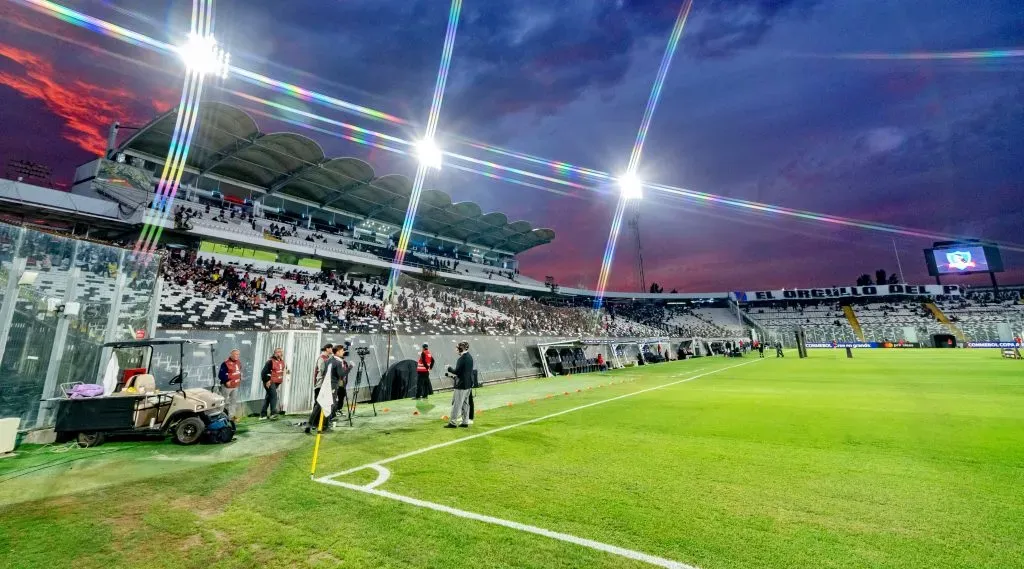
[[846, 108]]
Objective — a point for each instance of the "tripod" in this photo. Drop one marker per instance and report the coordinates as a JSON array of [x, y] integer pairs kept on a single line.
[[361, 372]]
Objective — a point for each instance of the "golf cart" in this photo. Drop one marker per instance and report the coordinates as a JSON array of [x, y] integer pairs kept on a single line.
[[132, 402]]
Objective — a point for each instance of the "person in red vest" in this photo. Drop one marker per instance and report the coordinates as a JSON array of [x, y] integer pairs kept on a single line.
[[423, 367], [600, 363], [273, 375], [230, 378]]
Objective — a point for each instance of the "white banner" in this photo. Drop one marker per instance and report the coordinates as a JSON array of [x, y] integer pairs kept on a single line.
[[848, 291]]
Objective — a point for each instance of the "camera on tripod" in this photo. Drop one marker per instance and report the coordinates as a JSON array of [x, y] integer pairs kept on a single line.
[[362, 351]]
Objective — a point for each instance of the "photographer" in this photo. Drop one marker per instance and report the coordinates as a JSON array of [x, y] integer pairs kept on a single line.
[[462, 373]]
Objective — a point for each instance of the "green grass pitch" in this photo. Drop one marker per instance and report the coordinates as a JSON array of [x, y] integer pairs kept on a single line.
[[892, 459]]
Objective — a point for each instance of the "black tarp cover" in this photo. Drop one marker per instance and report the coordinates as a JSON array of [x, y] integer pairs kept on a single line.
[[399, 382]]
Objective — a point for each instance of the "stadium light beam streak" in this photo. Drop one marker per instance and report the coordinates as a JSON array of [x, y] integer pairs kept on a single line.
[[308, 95], [202, 42], [95, 24], [704, 197], [428, 138], [562, 168], [168, 201], [659, 83], [933, 55], [151, 216], [364, 142], [630, 185], [321, 118], [609, 253]]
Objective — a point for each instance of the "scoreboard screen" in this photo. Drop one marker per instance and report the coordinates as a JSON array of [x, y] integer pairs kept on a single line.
[[963, 259]]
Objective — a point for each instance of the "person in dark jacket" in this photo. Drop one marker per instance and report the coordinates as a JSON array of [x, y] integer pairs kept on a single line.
[[463, 388], [333, 376]]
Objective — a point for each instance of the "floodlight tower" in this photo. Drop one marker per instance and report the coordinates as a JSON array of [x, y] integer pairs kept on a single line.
[[639, 248], [631, 189]]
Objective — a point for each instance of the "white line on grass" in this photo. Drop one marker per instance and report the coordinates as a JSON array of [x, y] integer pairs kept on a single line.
[[383, 474], [327, 477], [615, 550]]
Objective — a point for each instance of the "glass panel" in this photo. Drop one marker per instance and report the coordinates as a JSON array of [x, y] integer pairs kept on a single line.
[[60, 270]]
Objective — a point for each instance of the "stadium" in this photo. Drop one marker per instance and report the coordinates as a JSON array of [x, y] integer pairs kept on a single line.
[[223, 344]]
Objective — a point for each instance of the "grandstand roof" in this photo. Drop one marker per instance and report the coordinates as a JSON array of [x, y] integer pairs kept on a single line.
[[231, 145]]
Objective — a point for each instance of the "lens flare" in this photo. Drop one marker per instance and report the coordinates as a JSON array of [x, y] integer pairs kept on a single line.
[[421, 171], [659, 83], [609, 253], [181, 140], [97, 25], [630, 186], [934, 55]]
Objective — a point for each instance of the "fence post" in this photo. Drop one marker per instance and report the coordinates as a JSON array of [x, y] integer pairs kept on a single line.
[[59, 343], [11, 293]]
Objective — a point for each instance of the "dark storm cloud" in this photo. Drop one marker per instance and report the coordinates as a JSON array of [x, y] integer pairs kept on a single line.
[[511, 57], [725, 27]]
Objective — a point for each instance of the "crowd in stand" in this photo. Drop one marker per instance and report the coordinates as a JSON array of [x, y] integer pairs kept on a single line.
[[432, 257], [345, 302]]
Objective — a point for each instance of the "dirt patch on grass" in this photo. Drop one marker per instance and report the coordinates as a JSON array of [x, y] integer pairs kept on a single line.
[[323, 559], [191, 541], [209, 506]]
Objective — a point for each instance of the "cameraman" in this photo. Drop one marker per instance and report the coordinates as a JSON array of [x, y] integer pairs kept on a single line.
[[463, 375]]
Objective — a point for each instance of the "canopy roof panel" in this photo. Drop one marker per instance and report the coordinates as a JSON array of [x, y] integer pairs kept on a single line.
[[228, 143]]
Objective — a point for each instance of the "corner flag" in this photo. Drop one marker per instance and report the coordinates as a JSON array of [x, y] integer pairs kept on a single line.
[[325, 399]]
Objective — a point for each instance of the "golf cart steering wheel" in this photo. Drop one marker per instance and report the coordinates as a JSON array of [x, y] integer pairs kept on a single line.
[[179, 379]]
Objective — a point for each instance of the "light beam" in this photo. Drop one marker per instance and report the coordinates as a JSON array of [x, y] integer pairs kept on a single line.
[[431, 131], [630, 187]]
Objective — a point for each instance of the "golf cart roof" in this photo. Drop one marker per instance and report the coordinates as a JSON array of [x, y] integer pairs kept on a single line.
[[158, 342]]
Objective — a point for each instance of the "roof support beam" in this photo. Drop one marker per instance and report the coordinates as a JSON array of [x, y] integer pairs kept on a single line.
[[286, 178], [510, 237], [383, 206], [340, 193], [229, 152], [485, 232]]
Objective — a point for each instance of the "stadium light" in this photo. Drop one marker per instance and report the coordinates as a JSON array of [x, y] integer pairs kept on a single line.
[[630, 187], [202, 55], [429, 154]]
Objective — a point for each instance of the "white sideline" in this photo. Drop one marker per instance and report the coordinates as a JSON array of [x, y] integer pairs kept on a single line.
[[384, 461], [615, 550], [383, 474]]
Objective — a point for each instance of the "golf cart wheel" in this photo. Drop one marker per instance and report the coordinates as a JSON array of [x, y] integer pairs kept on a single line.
[[188, 431], [87, 440]]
